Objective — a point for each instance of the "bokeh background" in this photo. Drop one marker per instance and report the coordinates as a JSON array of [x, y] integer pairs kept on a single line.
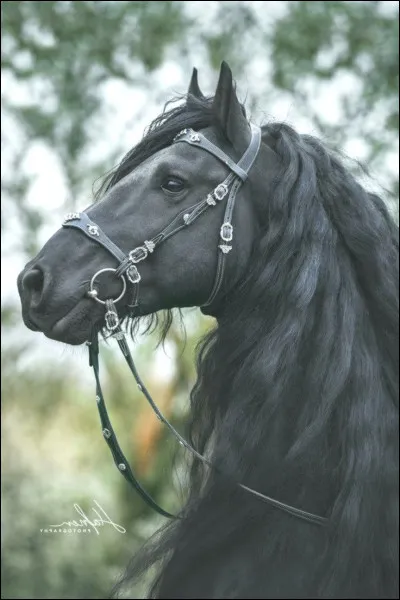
[[80, 82]]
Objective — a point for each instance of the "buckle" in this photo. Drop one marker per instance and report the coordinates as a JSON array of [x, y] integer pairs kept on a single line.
[[220, 191], [138, 254], [226, 232], [133, 274]]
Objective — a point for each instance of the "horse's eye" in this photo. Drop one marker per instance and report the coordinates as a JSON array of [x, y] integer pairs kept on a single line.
[[173, 185]]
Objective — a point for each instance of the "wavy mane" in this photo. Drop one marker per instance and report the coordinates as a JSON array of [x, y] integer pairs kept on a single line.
[[297, 395]]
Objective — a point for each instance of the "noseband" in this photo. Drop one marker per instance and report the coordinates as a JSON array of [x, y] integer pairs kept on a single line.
[[130, 277]]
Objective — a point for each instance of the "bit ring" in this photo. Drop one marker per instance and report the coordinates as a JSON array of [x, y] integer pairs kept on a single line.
[[92, 293]]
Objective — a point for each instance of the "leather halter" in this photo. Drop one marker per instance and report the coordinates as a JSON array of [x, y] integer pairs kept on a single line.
[[127, 270]]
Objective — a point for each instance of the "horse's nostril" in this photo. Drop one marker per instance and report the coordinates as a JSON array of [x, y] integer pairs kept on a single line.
[[33, 280]]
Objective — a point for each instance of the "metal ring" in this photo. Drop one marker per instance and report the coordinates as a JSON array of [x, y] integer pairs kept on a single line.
[[91, 288]]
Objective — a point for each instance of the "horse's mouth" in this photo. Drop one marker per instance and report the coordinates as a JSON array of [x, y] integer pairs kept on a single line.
[[74, 328]]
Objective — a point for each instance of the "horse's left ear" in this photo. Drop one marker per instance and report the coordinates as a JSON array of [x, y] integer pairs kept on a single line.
[[194, 90], [228, 111]]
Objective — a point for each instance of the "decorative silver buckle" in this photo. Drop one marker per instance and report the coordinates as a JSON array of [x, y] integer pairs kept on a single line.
[[133, 274], [226, 232], [111, 317], [112, 320], [220, 191], [138, 254]]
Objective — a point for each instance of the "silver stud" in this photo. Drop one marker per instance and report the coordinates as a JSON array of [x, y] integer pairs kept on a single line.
[[98, 399], [181, 443], [210, 200], [225, 248], [107, 433], [92, 294], [194, 137], [180, 134], [93, 229], [186, 218], [72, 216], [140, 387], [122, 467], [149, 245]]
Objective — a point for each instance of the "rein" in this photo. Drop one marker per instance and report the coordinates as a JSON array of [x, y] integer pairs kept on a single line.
[[127, 271]]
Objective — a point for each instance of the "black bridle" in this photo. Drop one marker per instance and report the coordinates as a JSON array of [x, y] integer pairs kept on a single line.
[[128, 271]]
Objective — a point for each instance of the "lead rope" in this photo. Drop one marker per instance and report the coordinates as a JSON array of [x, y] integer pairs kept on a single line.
[[114, 327]]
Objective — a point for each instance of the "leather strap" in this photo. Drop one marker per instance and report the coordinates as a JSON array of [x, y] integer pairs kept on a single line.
[[221, 256], [194, 138], [91, 230]]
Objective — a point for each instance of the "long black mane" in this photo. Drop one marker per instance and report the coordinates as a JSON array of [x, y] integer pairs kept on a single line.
[[296, 394]]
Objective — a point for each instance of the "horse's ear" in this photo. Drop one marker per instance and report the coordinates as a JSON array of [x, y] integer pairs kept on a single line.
[[194, 89], [228, 110]]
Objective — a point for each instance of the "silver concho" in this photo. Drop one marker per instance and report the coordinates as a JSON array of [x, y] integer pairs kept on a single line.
[[93, 229], [107, 433], [71, 216], [194, 137], [133, 274], [225, 248]]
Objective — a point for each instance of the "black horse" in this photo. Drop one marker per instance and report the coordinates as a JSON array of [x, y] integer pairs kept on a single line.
[[297, 390]]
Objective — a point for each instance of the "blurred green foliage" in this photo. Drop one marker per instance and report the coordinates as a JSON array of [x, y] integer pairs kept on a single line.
[[56, 58], [324, 39]]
